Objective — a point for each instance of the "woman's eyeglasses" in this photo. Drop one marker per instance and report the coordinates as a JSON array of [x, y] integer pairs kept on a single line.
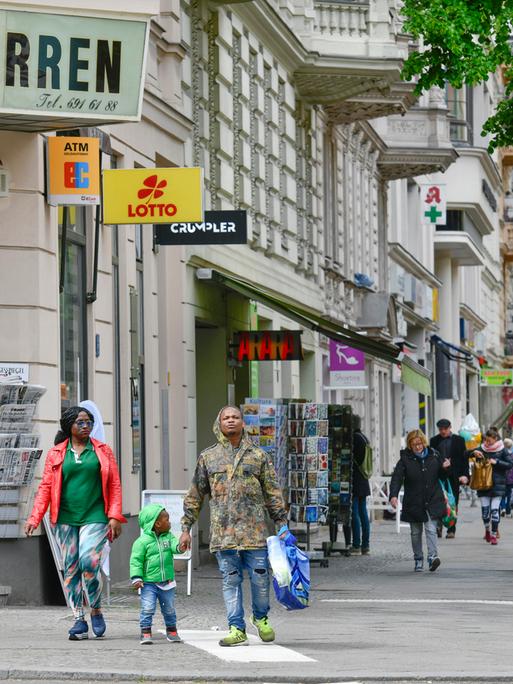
[[84, 423]]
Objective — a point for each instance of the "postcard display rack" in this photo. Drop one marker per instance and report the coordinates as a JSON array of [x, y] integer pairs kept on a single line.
[[340, 434], [265, 421], [19, 449]]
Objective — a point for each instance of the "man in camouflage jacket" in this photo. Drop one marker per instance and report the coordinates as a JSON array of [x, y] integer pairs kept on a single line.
[[242, 485]]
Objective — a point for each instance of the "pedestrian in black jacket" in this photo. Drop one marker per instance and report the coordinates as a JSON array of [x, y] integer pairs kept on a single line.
[[493, 450], [361, 490], [419, 469], [453, 447]]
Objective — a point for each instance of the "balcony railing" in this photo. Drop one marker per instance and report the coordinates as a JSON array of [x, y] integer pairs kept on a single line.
[[342, 20]]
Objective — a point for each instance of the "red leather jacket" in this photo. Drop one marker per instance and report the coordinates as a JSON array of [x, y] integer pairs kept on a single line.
[[49, 491]]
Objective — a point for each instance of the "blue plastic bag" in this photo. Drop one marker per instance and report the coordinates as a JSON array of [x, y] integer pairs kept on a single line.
[[294, 595]]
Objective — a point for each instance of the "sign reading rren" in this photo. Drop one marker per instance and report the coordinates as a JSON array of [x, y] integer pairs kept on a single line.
[[71, 66]]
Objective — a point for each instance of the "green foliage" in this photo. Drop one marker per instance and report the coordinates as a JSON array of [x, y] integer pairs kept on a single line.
[[463, 42]]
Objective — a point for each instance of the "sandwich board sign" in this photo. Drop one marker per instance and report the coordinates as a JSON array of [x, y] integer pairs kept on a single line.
[[172, 500]]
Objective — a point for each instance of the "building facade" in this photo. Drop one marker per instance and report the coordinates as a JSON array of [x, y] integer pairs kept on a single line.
[[297, 115]]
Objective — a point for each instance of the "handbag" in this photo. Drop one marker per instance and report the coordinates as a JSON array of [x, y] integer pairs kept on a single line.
[[451, 515], [482, 475]]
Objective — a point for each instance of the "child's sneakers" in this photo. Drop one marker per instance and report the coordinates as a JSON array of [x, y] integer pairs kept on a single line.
[[79, 630], [146, 637], [172, 635]]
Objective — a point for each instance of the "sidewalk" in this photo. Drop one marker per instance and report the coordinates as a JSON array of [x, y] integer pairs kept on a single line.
[[371, 618]]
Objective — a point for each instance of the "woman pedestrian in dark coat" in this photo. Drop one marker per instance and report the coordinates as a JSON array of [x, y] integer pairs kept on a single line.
[[419, 469], [492, 449]]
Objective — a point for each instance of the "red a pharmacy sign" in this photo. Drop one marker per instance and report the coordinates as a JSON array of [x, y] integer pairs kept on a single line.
[[433, 203]]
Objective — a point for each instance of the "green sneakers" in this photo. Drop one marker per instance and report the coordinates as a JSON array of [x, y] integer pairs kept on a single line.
[[236, 637], [265, 631]]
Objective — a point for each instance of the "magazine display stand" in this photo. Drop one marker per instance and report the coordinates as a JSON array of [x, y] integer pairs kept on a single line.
[[19, 450]]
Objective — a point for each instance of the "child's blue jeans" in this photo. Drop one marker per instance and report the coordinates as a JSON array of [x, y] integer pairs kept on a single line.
[[150, 592]]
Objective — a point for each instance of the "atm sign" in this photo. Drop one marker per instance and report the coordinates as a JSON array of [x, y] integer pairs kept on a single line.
[[73, 170], [268, 345]]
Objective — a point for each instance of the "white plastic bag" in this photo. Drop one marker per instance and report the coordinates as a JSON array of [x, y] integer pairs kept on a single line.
[[279, 561], [470, 424]]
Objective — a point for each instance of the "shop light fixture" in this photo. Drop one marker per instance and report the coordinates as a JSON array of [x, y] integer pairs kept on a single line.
[[204, 273]]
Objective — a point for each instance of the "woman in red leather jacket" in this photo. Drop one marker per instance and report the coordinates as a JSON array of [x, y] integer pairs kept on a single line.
[[82, 486]]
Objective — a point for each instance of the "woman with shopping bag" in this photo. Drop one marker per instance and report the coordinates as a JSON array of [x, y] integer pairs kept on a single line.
[[419, 469], [490, 465]]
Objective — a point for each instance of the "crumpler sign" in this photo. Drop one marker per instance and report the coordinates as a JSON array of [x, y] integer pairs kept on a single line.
[[70, 66], [218, 228], [152, 195], [73, 170]]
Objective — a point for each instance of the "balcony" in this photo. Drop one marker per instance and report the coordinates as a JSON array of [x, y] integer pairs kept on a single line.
[[417, 143], [354, 60], [459, 246]]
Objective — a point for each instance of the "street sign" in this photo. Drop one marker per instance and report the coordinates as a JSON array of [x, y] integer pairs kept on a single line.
[[218, 228], [433, 203], [152, 195], [73, 170], [67, 66]]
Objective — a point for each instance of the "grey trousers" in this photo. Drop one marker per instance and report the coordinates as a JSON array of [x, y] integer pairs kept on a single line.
[[416, 539]]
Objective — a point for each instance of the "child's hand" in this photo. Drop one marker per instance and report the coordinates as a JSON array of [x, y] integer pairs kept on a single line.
[[182, 547], [137, 585]]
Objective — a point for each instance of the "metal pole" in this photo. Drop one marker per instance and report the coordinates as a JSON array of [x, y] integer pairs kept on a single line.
[[65, 215]]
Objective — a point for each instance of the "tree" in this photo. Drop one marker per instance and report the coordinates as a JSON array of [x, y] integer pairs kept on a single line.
[[463, 42]]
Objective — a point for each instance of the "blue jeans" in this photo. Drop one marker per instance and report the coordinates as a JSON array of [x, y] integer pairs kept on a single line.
[[360, 522], [149, 595], [231, 564]]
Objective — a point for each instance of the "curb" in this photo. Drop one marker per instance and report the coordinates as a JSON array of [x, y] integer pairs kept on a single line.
[[21, 675]]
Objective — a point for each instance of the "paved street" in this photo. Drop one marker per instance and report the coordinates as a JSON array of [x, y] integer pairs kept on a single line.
[[371, 619]]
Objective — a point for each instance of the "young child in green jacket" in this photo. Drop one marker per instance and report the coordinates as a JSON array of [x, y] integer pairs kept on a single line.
[[152, 570]]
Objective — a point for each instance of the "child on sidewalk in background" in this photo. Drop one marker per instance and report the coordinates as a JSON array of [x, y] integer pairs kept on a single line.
[[152, 570]]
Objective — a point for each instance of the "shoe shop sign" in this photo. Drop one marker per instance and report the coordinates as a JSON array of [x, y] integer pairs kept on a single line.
[[218, 228], [56, 67]]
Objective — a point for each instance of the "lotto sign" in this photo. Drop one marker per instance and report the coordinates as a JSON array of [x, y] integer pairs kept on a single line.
[[433, 204], [73, 170], [152, 195]]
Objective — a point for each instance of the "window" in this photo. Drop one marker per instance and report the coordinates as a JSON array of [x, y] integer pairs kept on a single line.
[[460, 110], [73, 323]]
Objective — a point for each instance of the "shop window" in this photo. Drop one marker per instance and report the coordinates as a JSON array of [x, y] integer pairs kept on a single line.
[[73, 323], [116, 350], [137, 363]]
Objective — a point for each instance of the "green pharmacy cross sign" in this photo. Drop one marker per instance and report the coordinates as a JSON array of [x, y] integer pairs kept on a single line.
[[432, 214]]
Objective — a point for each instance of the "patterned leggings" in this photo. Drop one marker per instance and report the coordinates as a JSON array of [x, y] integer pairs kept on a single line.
[[81, 549]]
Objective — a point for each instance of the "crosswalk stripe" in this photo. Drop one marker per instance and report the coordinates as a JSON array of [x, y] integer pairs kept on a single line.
[[208, 640]]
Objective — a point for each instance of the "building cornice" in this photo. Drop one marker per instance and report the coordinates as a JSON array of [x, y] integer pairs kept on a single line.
[[402, 257], [470, 315]]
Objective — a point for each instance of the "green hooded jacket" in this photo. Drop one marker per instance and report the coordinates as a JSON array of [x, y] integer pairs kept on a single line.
[[242, 487], [152, 555]]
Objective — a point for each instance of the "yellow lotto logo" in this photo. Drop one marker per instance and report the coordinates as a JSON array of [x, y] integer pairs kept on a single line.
[[153, 195]]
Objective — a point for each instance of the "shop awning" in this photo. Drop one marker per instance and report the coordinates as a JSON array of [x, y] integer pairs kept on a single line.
[[415, 376]]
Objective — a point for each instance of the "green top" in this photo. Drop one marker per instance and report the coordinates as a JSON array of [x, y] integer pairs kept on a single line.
[[81, 497]]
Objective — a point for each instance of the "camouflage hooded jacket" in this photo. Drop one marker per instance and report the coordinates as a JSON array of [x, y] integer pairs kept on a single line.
[[242, 485]]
